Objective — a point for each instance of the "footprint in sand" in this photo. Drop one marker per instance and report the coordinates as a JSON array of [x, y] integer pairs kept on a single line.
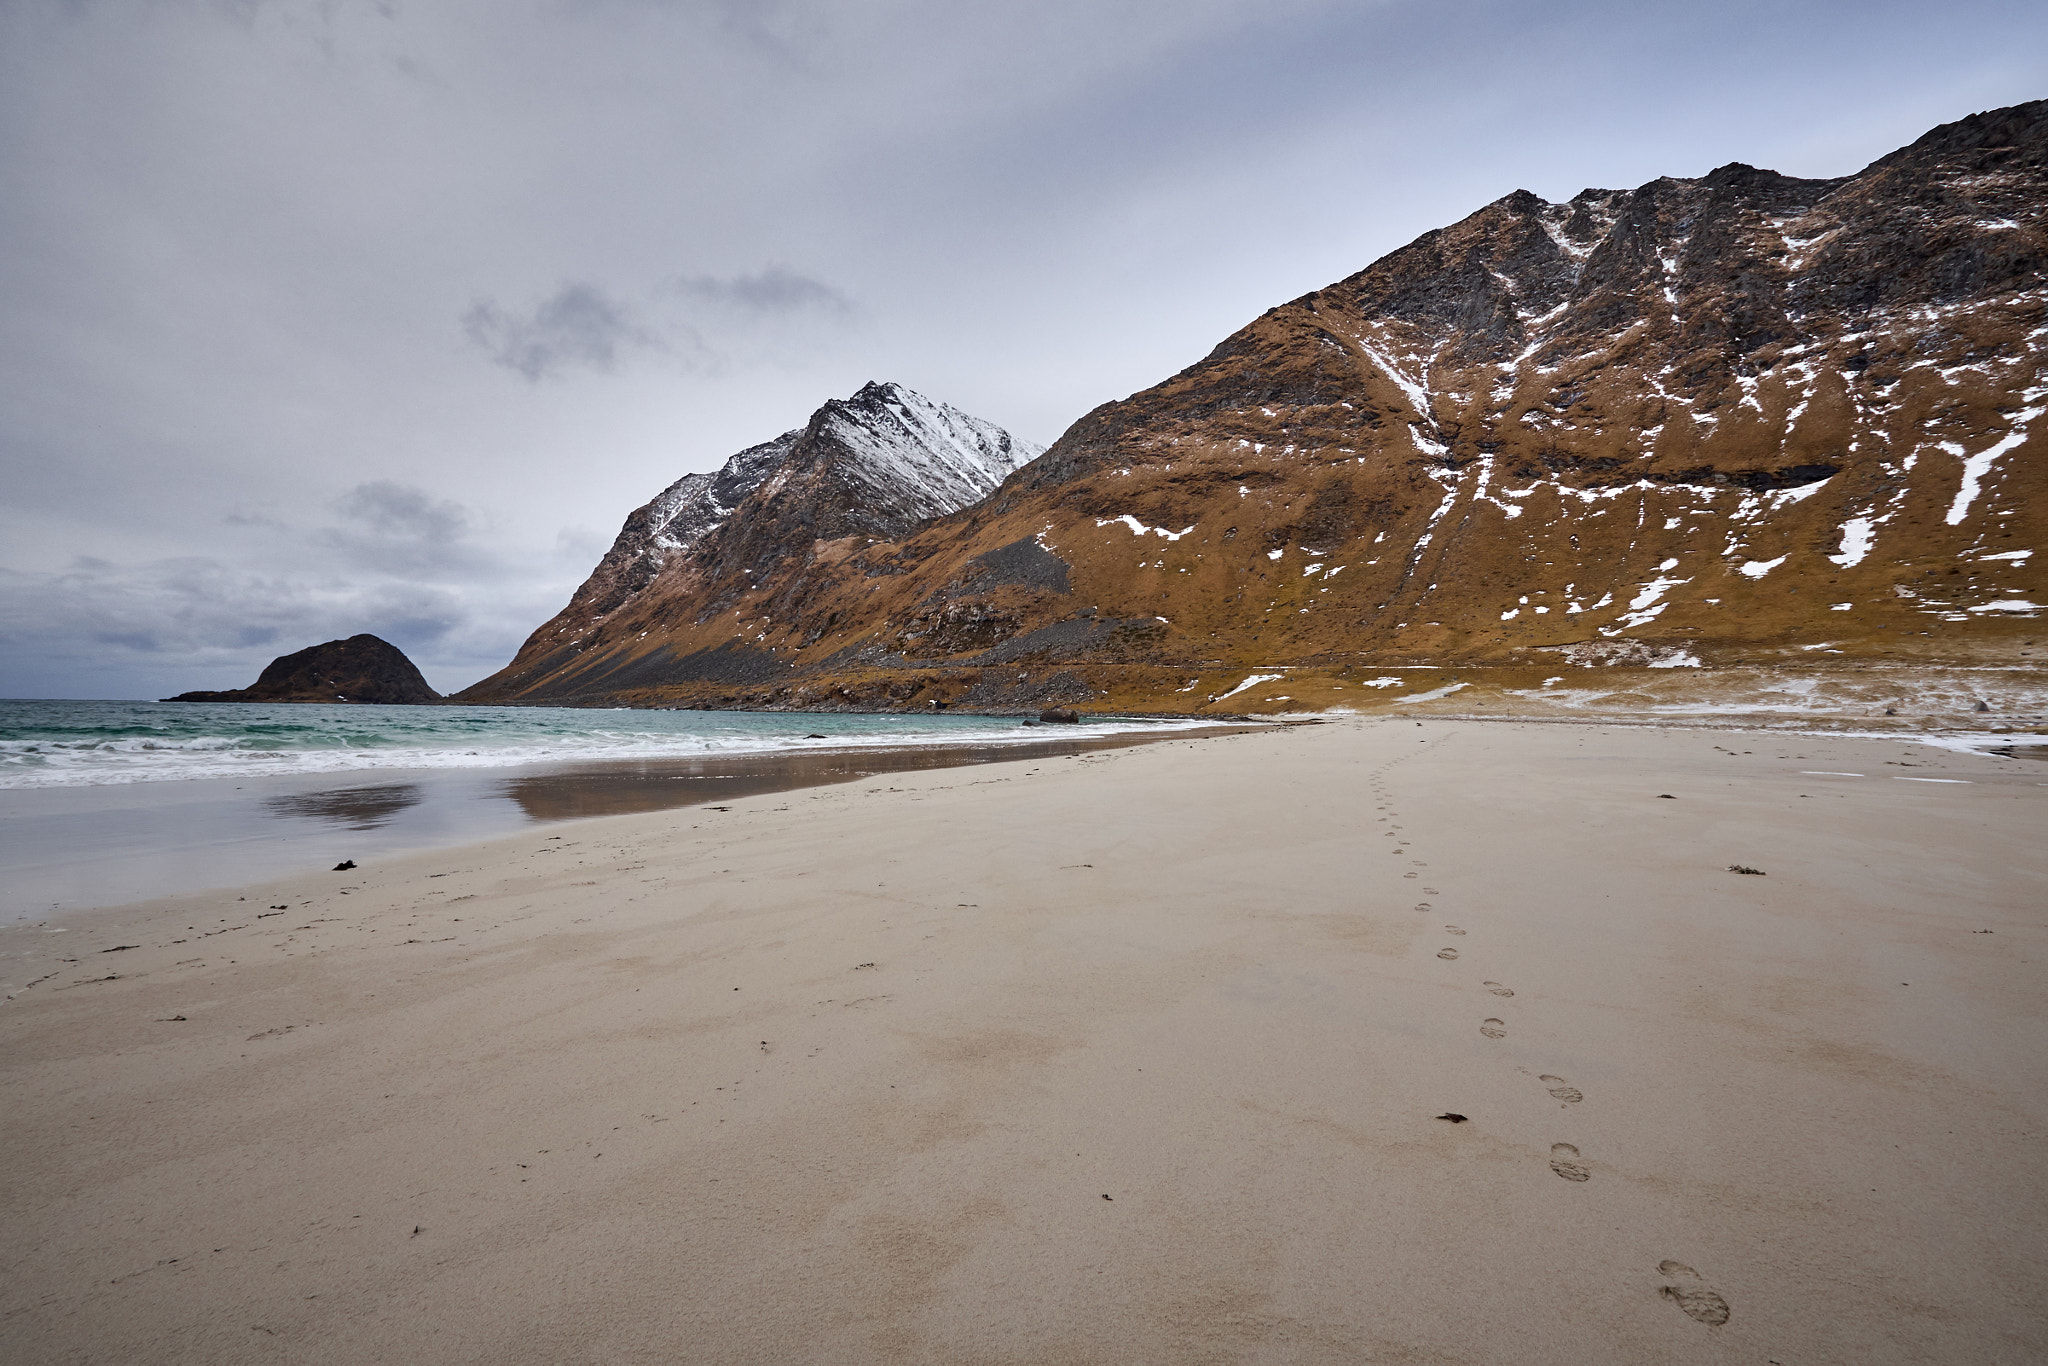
[[1447, 953], [1560, 1089], [1424, 906], [1494, 1029], [1700, 1304], [1452, 929], [1564, 1160], [1497, 989]]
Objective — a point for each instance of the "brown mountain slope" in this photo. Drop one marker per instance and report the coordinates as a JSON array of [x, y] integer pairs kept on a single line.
[[1696, 423]]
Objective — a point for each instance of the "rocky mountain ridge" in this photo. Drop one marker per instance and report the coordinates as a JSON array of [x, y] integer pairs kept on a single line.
[[671, 524], [876, 465], [1700, 423]]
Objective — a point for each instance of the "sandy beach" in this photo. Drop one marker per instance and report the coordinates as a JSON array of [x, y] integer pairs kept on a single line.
[[1149, 1055]]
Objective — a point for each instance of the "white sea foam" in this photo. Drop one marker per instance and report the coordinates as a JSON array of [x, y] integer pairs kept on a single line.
[[86, 744]]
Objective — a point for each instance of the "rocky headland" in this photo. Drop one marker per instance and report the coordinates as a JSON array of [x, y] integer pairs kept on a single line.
[[363, 668]]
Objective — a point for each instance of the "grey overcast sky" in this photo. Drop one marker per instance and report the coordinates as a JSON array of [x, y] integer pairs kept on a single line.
[[326, 316]]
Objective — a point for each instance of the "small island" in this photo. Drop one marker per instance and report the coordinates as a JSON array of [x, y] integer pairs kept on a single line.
[[363, 668]]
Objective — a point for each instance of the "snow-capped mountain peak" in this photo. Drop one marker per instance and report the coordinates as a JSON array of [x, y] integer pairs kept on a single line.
[[924, 457]]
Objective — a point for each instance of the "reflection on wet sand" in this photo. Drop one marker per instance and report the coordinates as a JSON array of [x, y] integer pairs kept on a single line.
[[71, 848], [657, 785], [2021, 751], [352, 808]]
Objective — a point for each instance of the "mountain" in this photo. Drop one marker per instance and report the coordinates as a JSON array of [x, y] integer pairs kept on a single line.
[[875, 466], [362, 668], [1734, 420]]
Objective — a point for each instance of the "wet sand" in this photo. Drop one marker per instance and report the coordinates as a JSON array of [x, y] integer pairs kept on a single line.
[[63, 849], [1148, 1055]]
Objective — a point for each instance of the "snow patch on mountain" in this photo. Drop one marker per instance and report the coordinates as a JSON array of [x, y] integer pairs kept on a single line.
[[1976, 467], [1138, 528]]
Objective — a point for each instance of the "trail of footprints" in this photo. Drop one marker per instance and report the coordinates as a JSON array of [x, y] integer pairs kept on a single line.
[[1687, 1288]]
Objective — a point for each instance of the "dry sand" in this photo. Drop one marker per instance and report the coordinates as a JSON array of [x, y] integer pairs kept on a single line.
[[1134, 1057]]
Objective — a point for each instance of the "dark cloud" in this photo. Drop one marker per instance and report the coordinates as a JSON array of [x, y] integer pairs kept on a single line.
[[248, 515], [578, 326], [394, 529], [778, 289], [703, 323], [389, 508]]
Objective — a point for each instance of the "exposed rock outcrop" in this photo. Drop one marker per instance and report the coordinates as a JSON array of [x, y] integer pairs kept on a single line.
[[362, 668]]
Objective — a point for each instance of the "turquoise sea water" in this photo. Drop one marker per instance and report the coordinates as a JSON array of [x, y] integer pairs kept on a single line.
[[84, 744]]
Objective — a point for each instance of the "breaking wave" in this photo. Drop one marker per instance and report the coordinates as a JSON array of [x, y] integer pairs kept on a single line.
[[85, 744]]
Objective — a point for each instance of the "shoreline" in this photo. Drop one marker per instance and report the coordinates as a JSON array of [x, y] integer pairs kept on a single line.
[[89, 846], [58, 744], [69, 850], [1142, 1055]]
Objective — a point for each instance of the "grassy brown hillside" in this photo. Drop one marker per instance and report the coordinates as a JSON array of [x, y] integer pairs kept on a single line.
[[1704, 424]]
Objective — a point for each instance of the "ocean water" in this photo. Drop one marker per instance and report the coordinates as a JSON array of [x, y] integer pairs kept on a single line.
[[47, 744]]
